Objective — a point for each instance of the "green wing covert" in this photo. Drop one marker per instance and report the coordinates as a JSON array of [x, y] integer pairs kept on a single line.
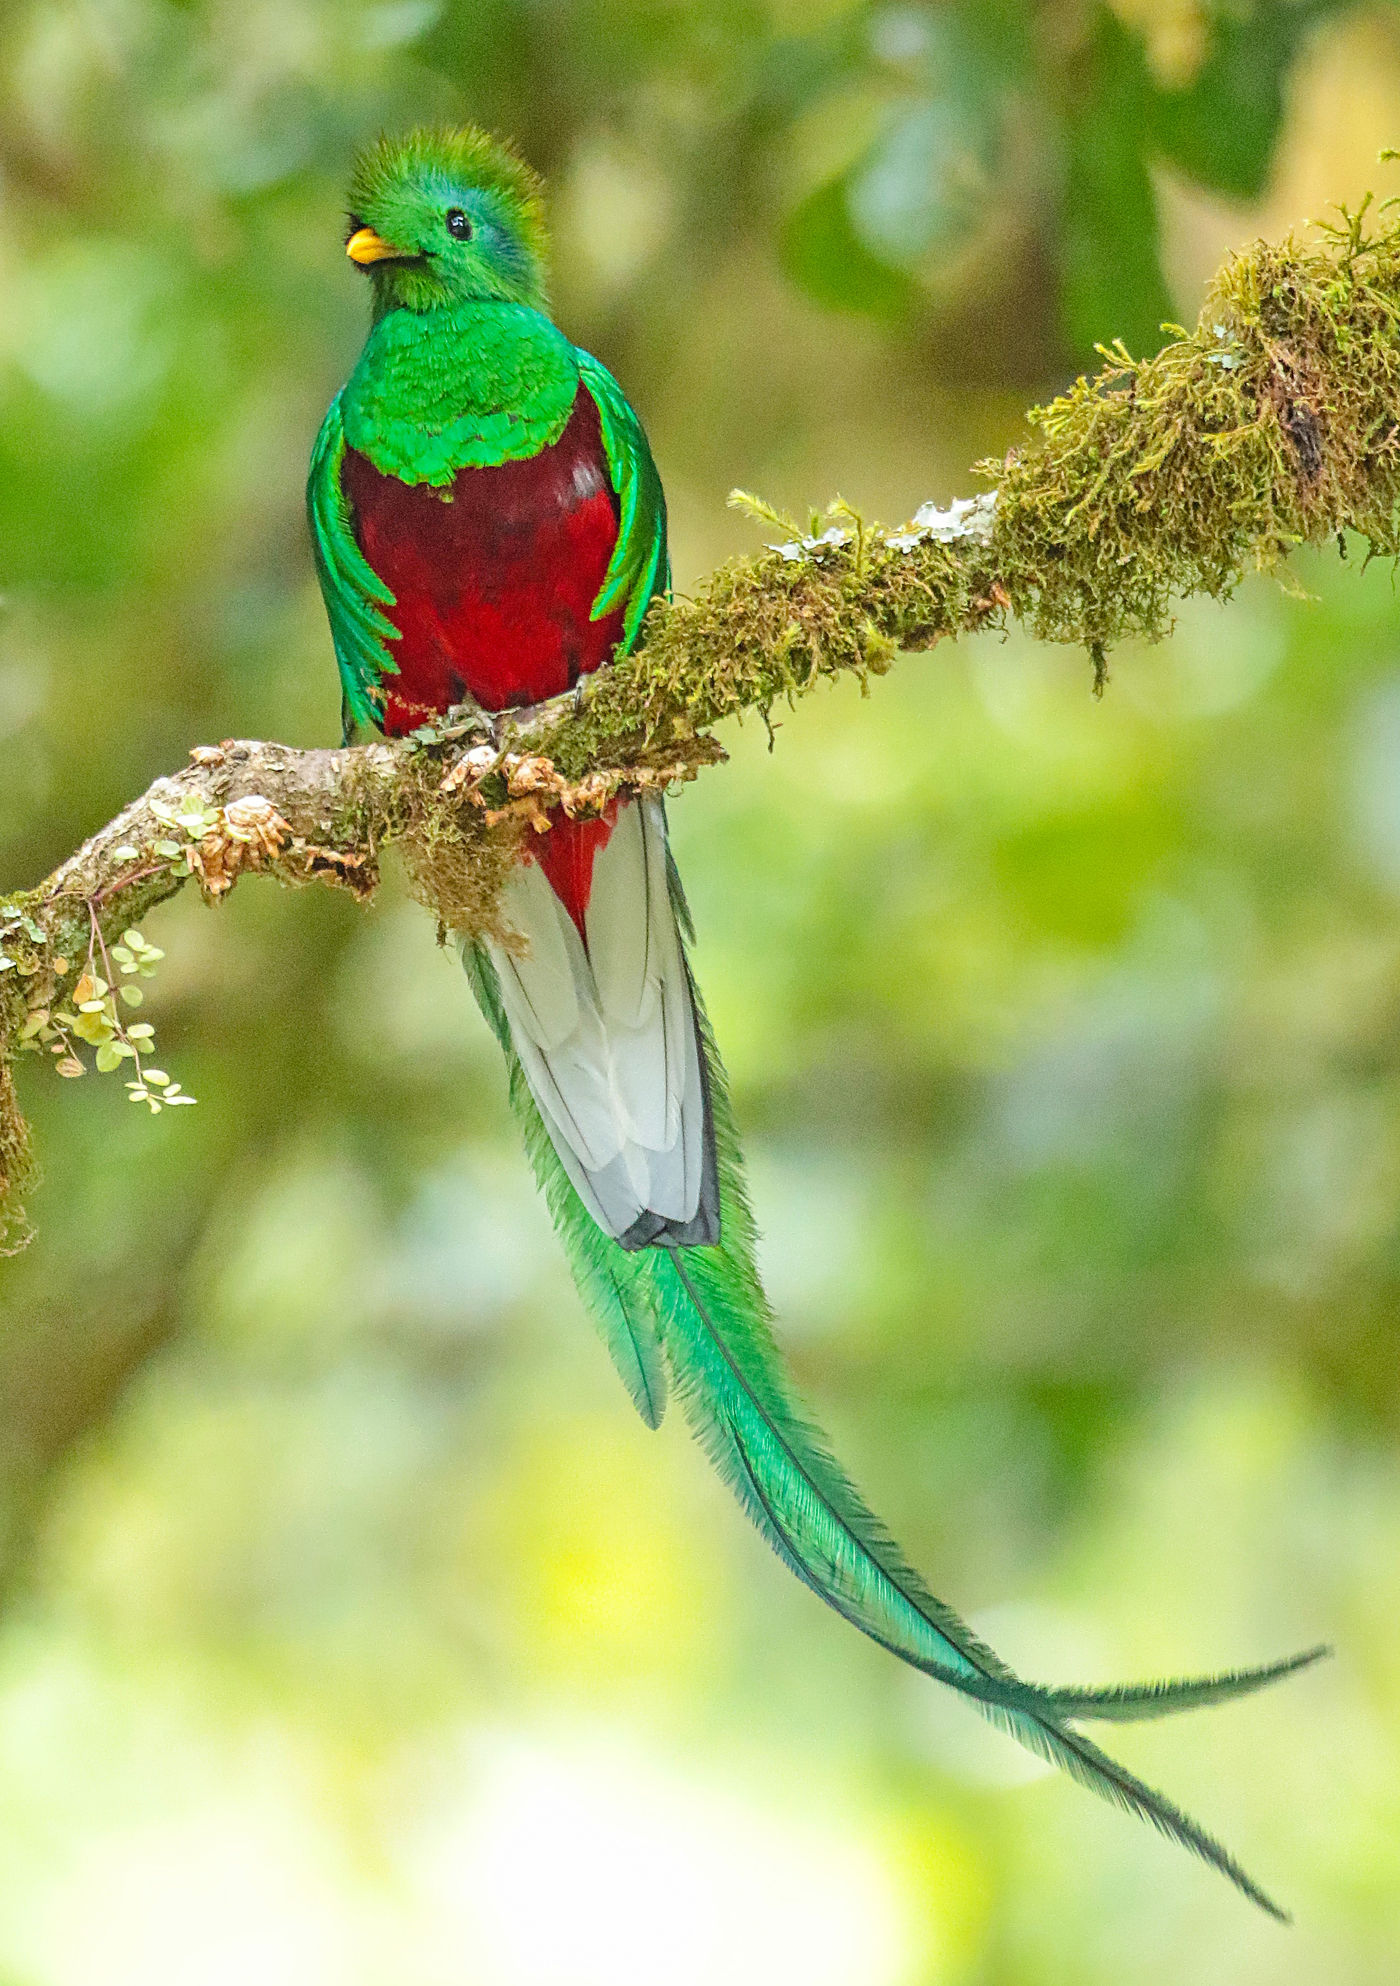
[[354, 593], [640, 568]]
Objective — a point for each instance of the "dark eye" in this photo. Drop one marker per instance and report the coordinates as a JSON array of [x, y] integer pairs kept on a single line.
[[458, 226]]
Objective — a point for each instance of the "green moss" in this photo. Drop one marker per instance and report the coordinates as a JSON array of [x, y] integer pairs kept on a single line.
[[1271, 425], [16, 1164], [455, 863]]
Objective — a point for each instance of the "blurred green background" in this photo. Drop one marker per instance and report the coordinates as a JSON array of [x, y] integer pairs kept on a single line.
[[356, 1632]]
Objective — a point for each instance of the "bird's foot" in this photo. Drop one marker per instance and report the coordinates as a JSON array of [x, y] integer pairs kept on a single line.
[[464, 719]]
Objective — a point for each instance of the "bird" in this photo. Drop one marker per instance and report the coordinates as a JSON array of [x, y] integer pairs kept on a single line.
[[489, 527]]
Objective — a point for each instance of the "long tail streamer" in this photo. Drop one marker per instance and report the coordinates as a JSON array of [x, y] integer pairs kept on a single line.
[[697, 1319]]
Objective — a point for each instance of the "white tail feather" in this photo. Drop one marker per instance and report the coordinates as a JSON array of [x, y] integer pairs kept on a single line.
[[606, 1032]]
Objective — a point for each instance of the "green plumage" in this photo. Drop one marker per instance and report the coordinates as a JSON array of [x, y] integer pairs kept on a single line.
[[463, 369], [480, 384], [355, 595], [639, 569]]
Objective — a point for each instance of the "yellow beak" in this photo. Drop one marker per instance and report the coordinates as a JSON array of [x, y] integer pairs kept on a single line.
[[365, 246]]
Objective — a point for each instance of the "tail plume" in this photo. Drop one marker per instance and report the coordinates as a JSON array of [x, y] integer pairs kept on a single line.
[[695, 1319]]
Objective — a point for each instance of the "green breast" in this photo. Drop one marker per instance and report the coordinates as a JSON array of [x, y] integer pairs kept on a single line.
[[442, 390]]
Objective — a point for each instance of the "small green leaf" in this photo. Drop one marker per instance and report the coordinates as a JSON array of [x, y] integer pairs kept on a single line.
[[108, 1057], [132, 996], [158, 1077]]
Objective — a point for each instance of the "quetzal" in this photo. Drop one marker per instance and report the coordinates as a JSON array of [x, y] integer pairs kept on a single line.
[[488, 523]]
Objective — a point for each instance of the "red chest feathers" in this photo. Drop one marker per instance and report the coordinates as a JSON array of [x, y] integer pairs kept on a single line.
[[493, 579]]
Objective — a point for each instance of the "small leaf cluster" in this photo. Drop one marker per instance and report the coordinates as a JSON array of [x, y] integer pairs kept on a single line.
[[94, 1017]]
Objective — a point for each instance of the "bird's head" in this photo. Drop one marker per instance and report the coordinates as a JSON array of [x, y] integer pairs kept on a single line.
[[442, 217]]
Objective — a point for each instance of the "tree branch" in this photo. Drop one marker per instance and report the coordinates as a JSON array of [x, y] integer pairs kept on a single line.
[[1275, 423]]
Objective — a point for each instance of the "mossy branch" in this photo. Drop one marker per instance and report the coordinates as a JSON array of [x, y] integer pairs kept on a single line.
[[1275, 423]]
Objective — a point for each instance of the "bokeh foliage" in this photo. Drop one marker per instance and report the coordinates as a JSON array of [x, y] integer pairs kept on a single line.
[[348, 1605]]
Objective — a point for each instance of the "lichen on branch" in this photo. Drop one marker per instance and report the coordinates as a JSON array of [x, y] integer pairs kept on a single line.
[[1274, 423]]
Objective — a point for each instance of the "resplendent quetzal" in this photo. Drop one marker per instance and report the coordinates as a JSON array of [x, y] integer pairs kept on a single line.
[[488, 523]]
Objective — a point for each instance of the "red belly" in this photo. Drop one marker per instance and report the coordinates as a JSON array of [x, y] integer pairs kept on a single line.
[[494, 581]]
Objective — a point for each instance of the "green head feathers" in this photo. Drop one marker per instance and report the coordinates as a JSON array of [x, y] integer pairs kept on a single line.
[[441, 217]]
